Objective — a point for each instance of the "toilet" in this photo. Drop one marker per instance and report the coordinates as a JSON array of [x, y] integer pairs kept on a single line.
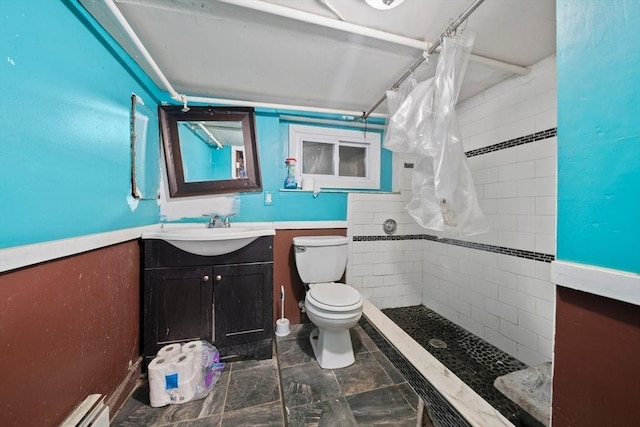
[[332, 307]]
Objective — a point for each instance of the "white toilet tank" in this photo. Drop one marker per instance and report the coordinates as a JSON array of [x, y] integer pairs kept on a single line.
[[320, 259]]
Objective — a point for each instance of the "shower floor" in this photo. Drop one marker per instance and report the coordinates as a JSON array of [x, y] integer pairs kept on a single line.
[[470, 358]]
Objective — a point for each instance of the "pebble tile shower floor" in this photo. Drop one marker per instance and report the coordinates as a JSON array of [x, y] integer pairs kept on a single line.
[[472, 359]]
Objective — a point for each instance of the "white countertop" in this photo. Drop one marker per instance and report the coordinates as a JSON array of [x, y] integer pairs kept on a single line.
[[26, 255]]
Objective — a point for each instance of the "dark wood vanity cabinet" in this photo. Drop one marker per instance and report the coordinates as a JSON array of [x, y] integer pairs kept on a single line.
[[177, 306], [242, 309], [225, 299]]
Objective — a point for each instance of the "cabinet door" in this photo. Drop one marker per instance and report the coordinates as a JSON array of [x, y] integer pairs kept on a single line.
[[243, 303], [178, 305]]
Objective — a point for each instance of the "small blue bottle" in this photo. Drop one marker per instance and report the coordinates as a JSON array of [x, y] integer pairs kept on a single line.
[[290, 181]]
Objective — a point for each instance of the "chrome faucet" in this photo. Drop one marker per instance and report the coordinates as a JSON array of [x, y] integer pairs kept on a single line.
[[226, 222], [215, 221], [218, 221]]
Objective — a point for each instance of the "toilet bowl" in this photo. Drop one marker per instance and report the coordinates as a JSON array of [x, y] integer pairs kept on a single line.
[[333, 308]]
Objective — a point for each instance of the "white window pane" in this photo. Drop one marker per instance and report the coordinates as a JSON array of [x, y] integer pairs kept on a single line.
[[337, 158], [353, 161], [317, 158]]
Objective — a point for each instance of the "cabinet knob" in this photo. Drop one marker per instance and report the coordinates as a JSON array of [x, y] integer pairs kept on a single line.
[[218, 277], [205, 278]]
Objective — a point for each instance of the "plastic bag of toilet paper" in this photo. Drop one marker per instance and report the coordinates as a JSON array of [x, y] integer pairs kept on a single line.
[[181, 373]]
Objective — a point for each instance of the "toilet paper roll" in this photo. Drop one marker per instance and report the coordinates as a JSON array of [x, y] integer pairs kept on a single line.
[[168, 351], [183, 364], [157, 371], [202, 352], [183, 367], [192, 346], [195, 348]]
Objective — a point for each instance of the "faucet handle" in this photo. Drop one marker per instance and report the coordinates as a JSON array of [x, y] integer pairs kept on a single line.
[[213, 218], [226, 220]]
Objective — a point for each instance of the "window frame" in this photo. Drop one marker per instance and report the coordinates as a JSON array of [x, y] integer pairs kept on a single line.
[[370, 140]]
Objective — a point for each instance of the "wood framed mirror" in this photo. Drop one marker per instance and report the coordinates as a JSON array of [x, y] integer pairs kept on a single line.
[[210, 150]]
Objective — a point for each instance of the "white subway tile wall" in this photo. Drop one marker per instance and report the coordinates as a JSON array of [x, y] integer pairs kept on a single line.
[[387, 272], [506, 300]]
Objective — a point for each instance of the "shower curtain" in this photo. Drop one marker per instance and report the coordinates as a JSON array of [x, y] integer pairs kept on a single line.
[[423, 121]]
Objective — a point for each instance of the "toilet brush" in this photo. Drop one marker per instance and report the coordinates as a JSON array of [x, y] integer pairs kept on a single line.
[[282, 324], [282, 302]]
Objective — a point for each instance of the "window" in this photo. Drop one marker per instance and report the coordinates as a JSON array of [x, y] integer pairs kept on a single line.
[[336, 158]]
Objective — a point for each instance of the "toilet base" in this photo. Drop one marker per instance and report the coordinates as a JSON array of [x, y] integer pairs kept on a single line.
[[332, 348]]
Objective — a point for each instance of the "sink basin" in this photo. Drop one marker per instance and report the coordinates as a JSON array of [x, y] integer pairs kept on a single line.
[[200, 240]]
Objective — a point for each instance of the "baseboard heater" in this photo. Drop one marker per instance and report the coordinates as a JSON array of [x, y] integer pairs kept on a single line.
[[91, 412]]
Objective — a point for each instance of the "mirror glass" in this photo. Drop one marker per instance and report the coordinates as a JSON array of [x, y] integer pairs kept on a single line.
[[210, 150]]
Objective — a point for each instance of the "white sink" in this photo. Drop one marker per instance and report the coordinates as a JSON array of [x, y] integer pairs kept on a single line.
[[200, 240]]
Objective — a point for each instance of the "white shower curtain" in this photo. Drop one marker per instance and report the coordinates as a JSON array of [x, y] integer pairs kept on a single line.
[[423, 120]]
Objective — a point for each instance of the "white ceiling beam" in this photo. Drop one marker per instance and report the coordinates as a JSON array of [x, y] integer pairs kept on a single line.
[[336, 24], [121, 20], [146, 56]]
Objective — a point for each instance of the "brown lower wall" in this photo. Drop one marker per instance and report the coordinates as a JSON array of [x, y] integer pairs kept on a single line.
[[596, 379], [71, 327], [68, 328], [285, 273]]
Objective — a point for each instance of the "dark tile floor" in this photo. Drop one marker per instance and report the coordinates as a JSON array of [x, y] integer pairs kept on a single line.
[[246, 391], [369, 392], [472, 359], [291, 390]]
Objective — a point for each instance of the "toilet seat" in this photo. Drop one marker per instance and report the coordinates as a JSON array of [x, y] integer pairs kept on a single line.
[[334, 297]]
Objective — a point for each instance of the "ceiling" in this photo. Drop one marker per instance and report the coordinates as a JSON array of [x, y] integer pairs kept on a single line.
[[228, 49]]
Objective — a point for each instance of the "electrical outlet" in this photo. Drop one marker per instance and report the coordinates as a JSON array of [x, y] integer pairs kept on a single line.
[[268, 198]]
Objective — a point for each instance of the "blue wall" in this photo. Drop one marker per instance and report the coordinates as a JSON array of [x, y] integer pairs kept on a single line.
[[272, 135], [64, 134], [273, 138], [598, 51], [196, 156], [220, 162], [64, 126]]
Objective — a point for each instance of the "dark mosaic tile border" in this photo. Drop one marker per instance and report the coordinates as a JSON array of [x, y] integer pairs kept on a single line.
[[538, 136], [440, 411], [520, 253], [397, 237]]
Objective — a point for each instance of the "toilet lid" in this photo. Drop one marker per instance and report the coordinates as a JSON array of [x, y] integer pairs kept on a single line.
[[320, 240], [335, 294]]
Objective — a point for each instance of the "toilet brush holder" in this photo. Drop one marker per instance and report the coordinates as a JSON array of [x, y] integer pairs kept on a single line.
[[283, 327]]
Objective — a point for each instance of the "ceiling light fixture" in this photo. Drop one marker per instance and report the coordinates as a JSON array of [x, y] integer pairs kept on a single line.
[[383, 4]]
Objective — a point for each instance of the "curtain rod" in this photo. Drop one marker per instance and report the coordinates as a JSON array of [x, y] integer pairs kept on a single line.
[[450, 29]]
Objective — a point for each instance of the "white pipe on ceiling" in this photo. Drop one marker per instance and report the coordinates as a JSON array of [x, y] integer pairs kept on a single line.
[[206, 100], [291, 108], [209, 135], [494, 63], [312, 18], [362, 125], [448, 31], [323, 21], [332, 9], [293, 14], [145, 53]]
